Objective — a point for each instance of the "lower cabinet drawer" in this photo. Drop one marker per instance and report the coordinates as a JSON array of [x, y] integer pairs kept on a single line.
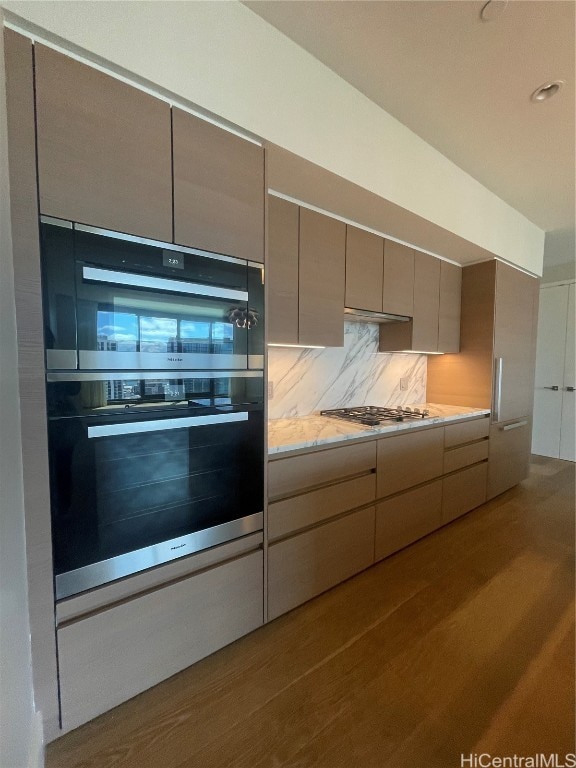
[[463, 491], [407, 517], [457, 458], [295, 474], [406, 460], [307, 509], [309, 563], [111, 656], [466, 431]]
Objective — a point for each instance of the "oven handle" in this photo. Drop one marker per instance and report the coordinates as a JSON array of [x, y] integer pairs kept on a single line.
[[161, 284], [160, 425]]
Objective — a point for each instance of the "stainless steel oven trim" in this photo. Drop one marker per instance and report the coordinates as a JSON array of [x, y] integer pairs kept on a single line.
[[163, 425], [131, 280], [145, 375], [106, 360], [56, 222], [62, 358], [158, 244], [97, 574]]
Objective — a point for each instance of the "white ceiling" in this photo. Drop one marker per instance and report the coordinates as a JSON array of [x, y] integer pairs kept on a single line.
[[461, 84]]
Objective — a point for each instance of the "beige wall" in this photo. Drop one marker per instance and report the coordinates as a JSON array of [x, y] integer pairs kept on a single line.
[[20, 732], [226, 59]]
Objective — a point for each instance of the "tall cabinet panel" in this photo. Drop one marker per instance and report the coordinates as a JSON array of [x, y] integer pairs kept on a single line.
[[282, 272], [321, 279], [364, 266], [398, 287], [495, 368], [426, 302], [449, 309], [29, 325], [218, 189], [103, 149], [514, 344]]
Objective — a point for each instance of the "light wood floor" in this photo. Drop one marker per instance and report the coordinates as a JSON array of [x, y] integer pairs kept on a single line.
[[462, 643]]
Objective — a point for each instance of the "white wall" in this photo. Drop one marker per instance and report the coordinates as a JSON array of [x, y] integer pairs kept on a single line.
[[226, 59], [559, 256], [20, 734]]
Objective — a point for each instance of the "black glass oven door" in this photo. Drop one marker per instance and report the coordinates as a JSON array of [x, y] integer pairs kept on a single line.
[[147, 470], [128, 320]]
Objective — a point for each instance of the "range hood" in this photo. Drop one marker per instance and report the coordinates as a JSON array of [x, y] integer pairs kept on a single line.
[[367, 316]]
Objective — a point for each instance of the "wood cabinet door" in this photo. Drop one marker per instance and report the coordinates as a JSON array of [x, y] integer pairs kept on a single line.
[[508, 456], [463, 491], [295, 474], [218, 189], [282, 271], [104, 149], [110, 656], [426, 302], [321, 279], [364, 269], [398, 284], [305, 565], [308, 509], [408, 459], [449, 308], [406, 517], [514, 341]]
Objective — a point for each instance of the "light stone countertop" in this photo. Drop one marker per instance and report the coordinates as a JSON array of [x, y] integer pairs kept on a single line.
[[309, 431]]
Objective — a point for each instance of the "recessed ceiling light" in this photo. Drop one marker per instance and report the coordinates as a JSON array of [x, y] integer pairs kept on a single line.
[[547, 90], [493, 9]]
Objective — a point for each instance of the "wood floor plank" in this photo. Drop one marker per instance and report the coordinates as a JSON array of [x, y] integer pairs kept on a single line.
[[458, 643]]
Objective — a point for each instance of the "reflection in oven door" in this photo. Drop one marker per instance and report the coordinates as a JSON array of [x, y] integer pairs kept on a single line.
[[114, 304]]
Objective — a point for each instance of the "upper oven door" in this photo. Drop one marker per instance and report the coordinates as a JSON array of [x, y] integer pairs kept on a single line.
[[145, 307], [116, 302]]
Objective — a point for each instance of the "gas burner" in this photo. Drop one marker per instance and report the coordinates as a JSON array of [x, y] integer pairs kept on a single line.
[[372, 415]]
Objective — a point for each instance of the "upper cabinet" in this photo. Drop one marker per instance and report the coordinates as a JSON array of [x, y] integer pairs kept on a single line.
[[515, 320], [435, 324], [398, 287], [321, 279], [379, 273], [364, 269], [426, 303], [104, 150], [449, 307], [305, 276], [317, 265], [112, 156], [282, 271], [218, 189]]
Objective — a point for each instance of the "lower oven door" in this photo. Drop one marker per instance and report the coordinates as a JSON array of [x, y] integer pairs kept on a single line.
[[144, 484]]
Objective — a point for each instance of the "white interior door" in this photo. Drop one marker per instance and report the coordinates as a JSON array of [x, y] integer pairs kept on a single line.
[[567, 436], [548, 384]]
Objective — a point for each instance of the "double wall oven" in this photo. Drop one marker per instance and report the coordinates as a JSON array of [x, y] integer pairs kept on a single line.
[[154, 382]]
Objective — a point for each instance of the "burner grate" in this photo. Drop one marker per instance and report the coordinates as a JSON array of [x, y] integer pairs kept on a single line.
[[372, 415]]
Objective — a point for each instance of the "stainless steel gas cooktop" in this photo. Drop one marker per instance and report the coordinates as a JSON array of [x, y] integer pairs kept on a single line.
[[372, 415]]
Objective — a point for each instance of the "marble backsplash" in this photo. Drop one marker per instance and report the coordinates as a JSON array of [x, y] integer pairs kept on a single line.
[[306, 381]]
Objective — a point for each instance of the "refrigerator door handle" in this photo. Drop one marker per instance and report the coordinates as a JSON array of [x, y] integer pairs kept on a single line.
[[515, 425], [498, 372]]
